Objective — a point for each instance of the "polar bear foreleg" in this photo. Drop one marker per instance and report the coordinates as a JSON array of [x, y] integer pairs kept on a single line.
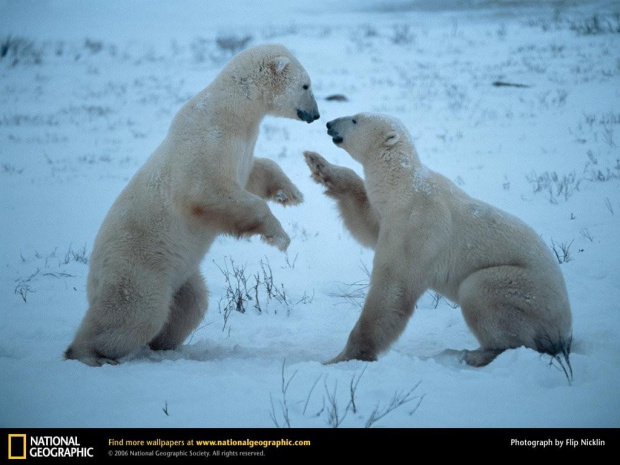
[[237, 212], [187, 310], [387, 309], [390, 302], [268, 181], [344, 185]]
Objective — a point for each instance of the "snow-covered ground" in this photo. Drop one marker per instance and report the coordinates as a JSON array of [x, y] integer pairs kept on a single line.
[[87, 91]]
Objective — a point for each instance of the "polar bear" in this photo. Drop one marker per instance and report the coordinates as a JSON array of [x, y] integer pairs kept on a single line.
[[429, 234], [144, 284]]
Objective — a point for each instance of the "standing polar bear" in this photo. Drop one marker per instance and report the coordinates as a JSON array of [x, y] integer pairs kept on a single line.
[[429, 234], [144, 283]]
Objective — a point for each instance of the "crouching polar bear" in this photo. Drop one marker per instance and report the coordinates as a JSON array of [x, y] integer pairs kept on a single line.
[[429, 234], [144, 284]]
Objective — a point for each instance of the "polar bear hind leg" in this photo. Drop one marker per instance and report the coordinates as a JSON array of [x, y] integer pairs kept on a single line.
[[125, 315], [187, 310], [506, 308]]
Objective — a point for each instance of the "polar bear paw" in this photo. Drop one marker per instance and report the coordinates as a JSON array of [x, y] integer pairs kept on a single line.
[[480, 357], [289, 196], [353, 354], [319, 167], [280, 241], [273, 234]]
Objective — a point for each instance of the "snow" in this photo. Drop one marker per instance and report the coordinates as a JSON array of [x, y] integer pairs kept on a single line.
[[83, 108]]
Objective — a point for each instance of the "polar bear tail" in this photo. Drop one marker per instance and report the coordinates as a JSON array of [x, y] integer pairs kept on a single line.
[[559, 349]]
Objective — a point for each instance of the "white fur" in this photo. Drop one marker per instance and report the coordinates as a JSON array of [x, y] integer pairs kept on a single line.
[[144, 283], [429, 234]]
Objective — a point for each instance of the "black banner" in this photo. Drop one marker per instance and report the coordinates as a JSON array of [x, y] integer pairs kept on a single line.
[[266, 445]]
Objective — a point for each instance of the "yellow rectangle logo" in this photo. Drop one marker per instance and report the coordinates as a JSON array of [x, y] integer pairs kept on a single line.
[[17, 451]]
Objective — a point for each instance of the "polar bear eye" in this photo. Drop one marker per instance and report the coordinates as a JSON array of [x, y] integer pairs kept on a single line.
[[306, 86], [354, 121]]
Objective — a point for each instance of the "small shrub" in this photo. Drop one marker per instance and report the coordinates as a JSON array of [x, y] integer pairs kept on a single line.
[[93, 46], [595, 25], [402, 34], [554, 184], [199, 48], [18, 50], [80, 255], [400, 398], [562, 251], [244, 290], [232, 44], [10, 169]]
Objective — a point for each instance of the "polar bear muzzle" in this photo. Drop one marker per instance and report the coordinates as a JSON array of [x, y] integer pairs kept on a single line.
[[307, 117], [331, 131]]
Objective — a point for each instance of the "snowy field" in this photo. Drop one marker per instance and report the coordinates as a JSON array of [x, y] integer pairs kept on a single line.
[[87, 91]]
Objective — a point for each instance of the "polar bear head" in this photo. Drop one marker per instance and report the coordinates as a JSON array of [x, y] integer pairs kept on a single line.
[[271, 74], [365, 134]]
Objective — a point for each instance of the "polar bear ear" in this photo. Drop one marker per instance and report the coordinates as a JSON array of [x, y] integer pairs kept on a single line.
[[391, 138], [279, 63]]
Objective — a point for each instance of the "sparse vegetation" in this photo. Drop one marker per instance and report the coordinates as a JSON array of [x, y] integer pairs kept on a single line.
[[10, 169], [562, 251], [335, 414], [585, 233], [553, 99], [609, 205], [354, 293], [353, 388], [232, 44], [284, 415], [291, 263], [19, 50], [402, 34], [566, 185], [438, 298], [596, 24], [23, 286], [273, 32], [310, 394], [557, 186], [80, 255], [398, 400], [244, 290], [332, 409], [593, 173], [49, 266], [93, 46]]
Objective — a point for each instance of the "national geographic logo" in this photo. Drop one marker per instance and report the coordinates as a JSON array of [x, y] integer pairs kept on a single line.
[[22, 446], [17, 447]]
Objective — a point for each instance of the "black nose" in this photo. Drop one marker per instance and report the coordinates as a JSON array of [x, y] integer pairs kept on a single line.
[[329, 125], [317, 116], [305, 116]]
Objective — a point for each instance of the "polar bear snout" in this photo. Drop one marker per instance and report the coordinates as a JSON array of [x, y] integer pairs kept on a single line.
[[307, 116], [307, 108], [331, 131]]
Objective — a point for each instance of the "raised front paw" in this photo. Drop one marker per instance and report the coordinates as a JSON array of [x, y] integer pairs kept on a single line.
[[280, 241], [319, 167], [273, 234], [288, 196]]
